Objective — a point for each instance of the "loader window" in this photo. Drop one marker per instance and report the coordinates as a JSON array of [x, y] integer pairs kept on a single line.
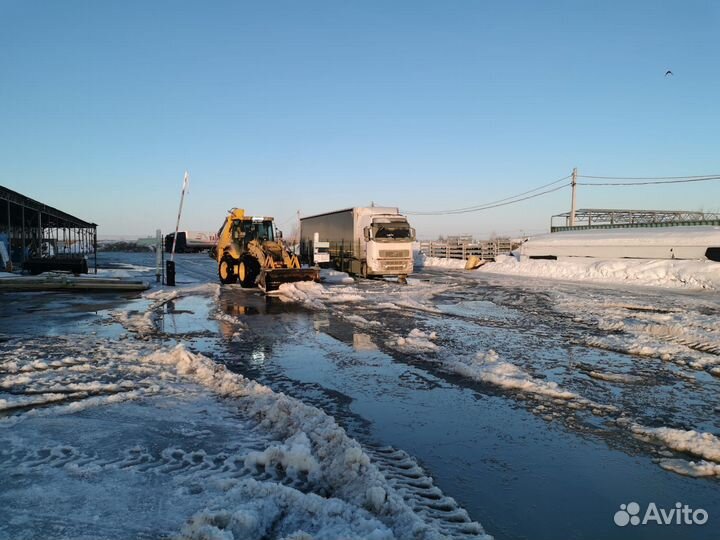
[[258, 230], [265, 230]]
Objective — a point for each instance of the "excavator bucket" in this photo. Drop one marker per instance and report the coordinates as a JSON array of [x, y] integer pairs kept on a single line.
[[270, 280]]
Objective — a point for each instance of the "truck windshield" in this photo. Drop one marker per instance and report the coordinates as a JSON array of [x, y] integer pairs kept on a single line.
[[392, 231]]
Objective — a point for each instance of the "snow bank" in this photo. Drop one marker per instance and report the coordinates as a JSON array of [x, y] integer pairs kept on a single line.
[[421, 260], [657, 273], [254, 511], [704, 445], [294, 456], [313, 442], [696, 469]]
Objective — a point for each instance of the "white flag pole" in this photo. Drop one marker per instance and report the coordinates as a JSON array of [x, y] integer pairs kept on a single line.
[[186, 182]]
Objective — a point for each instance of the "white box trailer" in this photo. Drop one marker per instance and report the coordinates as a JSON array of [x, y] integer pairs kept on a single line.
[[365, 241]]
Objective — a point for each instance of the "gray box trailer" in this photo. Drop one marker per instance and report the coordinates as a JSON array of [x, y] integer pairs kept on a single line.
[[365, 241]]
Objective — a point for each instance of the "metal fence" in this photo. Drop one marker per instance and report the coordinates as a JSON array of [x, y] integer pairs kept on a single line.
[[598, 218], [486, 250]]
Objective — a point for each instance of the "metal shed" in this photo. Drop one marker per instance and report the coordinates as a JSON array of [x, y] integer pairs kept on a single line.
[[38, 237]]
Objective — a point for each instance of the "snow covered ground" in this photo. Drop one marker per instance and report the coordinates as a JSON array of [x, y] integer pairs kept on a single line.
[[655, 273], [217, 412], [138, 437], [686, 337]]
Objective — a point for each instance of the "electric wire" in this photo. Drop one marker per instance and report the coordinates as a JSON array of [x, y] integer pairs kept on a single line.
[[647, 177], [494, 204], [652, 182]]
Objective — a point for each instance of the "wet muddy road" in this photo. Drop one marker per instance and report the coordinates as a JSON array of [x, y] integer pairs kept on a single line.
[[543, 438], [523, 464]]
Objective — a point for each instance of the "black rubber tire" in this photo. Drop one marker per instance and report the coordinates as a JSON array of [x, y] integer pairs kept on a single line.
[[225, 271], [252, 271]]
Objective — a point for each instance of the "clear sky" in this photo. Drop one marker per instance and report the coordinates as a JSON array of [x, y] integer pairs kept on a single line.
[[318, 105]]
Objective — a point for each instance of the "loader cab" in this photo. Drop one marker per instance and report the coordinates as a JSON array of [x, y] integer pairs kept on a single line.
[[246, 230]]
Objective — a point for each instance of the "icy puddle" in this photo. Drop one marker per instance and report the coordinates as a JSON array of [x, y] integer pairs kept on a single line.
[[492, 455]]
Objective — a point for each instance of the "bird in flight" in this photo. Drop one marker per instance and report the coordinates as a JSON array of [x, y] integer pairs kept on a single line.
[[668, 73]]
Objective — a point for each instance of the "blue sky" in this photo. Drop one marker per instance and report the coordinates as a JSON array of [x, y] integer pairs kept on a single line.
[[313, 106]]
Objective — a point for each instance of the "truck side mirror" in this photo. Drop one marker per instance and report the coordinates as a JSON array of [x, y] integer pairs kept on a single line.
[[366, 231]]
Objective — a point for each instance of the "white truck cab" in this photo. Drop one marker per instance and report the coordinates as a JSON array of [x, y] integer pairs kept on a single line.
[[365, 241]]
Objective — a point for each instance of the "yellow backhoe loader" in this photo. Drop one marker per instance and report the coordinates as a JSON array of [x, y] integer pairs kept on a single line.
[[249, 252]]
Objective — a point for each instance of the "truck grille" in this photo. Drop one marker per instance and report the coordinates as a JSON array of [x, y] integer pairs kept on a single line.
[[403, 266], [394, 253]]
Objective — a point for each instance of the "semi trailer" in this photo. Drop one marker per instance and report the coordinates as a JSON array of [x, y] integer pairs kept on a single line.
[[363, 241], [191, 241]]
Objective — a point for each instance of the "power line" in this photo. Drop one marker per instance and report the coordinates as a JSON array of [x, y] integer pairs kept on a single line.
[[654, 182], [648, 177], [497, 203]]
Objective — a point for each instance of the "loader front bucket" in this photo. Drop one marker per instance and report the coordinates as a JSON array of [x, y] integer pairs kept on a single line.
[[270, 280]]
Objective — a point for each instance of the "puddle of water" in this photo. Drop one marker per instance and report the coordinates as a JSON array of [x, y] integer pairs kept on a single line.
[[518, 474]]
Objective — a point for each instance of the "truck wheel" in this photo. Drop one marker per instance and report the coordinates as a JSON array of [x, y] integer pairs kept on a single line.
[[226, 272], [248, 271]]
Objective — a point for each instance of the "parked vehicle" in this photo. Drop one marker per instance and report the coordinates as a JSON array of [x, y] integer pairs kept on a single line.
[[191, 241], [370, 241], [249, 250]]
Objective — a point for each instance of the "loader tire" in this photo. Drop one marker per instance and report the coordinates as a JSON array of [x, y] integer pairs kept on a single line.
[[248, 271], [226, 271]]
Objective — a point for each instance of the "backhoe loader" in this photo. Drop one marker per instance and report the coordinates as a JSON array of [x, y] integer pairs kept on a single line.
[[248, 252]]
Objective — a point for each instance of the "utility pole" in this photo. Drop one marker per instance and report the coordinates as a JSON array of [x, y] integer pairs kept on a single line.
[[572, 206]]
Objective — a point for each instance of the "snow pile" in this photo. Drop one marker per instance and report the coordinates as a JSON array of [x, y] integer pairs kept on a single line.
[[421, 260], [294, 456], [335, 277], [252, 510], [657, 273], [704, 445], [487, 368], [417, 341], [315, 295], [696, 469]]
